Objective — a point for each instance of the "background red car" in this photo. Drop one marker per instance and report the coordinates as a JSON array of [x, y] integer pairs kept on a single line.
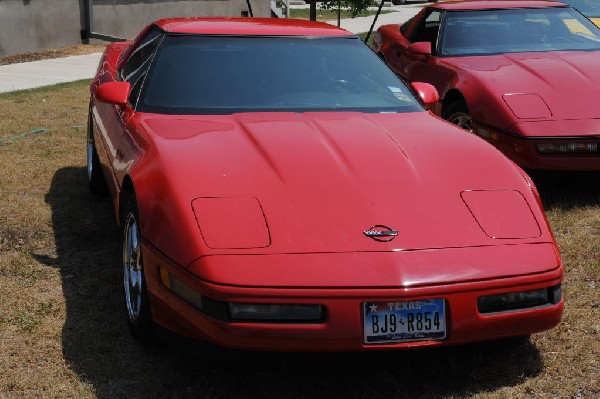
[[521, 74], [280, 188]]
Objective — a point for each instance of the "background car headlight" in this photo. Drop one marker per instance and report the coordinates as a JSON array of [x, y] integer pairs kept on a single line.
[[519, 300], [567, 148]]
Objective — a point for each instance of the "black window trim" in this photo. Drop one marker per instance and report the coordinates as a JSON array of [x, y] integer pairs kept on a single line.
[[145, 66], [227, 112]]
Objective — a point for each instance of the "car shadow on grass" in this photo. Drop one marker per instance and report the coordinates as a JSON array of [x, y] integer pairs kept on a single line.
[[567, 190], [97, 346]]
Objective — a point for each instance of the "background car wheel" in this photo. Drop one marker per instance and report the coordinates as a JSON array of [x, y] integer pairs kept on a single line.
[[398, 2], [95, 176], [137, 304], [458, 113]]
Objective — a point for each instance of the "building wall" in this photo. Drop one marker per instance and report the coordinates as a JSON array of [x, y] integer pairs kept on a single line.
[[33, 25]]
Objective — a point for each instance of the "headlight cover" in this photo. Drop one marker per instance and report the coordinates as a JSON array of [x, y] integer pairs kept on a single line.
[[275, 312], [520, 300], [502, 214], [231, 223]]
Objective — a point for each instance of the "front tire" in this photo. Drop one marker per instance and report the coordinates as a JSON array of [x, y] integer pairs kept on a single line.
[[458, 114], [137, 303], [95, 176]]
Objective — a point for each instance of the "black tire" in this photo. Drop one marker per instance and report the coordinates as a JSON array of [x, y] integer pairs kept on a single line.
[[458, 114], [398, 2], [95, 176], [137, 302]]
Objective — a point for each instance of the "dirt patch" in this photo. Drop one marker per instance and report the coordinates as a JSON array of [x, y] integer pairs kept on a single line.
[[79, 49]]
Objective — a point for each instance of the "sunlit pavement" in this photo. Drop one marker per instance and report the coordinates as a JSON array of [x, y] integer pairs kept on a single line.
[[400, 14], [29, 75]]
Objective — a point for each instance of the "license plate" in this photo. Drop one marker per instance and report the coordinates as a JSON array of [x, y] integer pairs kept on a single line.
[[389, 322]]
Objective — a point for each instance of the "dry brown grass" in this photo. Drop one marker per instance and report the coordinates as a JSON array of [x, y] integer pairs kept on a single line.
[[78, 49], [62, 330]]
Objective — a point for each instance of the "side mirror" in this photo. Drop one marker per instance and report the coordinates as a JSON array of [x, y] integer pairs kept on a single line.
[[420, 48], [114, 92], [427, 93]]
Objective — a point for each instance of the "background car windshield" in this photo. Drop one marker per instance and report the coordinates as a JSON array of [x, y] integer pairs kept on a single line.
[[586, 7], [517, 30], [222, 75]]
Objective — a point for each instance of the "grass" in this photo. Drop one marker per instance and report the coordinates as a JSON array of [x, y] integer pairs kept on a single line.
[[62, 329], [363, 36]]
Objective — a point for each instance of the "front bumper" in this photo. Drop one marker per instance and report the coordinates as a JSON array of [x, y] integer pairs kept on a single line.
[[342, 328]]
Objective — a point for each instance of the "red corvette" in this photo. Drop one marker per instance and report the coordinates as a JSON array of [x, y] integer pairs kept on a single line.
[[521, 74], [280, 188]]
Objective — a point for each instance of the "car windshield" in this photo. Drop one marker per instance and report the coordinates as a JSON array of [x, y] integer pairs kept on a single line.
[[590, 8], [517, 30], [227, 74]]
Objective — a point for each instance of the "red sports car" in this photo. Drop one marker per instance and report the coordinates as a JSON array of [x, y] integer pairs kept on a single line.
[[280, 188], [524, 75]]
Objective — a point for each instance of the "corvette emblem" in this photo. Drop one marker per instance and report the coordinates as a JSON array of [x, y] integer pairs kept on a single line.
[[381, 233]]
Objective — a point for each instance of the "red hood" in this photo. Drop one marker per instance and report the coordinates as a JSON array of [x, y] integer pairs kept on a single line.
[[564, 85], [321, 179]]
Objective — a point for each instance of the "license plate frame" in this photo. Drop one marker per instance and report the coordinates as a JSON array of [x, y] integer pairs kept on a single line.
[[404, 321]]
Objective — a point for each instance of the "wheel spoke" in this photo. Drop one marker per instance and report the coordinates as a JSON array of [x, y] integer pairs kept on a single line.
[[90, 162], [132, 269]]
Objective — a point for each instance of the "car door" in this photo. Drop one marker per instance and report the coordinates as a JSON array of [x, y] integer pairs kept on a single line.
[[396, 53], [112, 122], [419, 68]]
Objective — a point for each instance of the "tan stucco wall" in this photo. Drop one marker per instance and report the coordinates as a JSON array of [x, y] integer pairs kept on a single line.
[[34, 25]]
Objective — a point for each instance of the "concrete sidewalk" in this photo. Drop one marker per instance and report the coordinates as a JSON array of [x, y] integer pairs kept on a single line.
[[29, 75]]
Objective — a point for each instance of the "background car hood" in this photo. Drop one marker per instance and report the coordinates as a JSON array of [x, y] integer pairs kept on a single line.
[[313, 182], [567, 82]]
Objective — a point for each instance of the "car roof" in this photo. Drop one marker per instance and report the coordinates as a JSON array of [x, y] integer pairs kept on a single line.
[[495, 4], [249, 26]]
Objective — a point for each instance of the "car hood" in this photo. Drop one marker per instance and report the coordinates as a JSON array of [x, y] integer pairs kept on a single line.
[[536, 86], [273, 183]]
